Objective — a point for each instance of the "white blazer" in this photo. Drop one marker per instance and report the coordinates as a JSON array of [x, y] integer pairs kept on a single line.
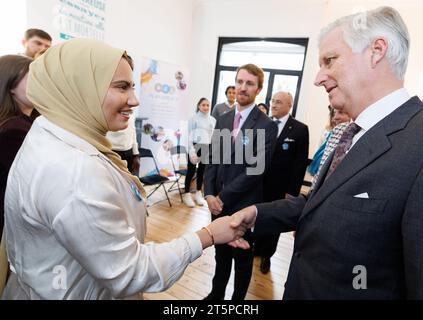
[[75, 229]]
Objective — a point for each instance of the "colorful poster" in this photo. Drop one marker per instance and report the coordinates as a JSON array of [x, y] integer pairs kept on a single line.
[[80, 19], [162, 114]]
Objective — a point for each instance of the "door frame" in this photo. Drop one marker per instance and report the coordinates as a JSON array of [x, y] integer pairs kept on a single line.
[[272, 72]]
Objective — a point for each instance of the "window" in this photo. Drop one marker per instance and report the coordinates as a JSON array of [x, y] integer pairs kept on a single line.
[[282, 60]]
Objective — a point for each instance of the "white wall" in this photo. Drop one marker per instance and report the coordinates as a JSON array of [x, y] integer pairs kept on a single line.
[[159, 29], [12, 23]]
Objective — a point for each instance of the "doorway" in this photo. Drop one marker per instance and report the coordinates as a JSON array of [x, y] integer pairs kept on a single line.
[[282, 60]]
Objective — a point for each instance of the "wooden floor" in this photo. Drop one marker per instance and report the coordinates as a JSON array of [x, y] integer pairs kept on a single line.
[[165, 223]]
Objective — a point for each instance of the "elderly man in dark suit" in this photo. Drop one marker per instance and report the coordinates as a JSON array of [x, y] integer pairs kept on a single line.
[[359, 232], [286, 171], [241, 148]]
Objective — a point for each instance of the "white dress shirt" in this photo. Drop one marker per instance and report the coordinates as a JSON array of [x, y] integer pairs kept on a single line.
[[70, 213], [378, 111], [282, 123], [244, 114]]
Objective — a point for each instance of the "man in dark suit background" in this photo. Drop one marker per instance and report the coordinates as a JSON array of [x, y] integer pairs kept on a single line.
[[286, 171], [241, 149], [359, 232]]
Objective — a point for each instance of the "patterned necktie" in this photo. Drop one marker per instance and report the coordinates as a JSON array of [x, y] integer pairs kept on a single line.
[[343, 146], [235, 129]]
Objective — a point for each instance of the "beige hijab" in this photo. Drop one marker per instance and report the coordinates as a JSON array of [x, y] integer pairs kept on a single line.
[[68, 84]]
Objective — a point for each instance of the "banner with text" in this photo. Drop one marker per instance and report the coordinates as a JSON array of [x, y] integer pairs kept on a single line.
[[80, 19]]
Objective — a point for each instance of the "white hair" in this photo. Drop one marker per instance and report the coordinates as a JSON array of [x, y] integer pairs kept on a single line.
[[360, 29]]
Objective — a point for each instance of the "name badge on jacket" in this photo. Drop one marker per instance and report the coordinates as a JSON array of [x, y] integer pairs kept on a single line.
[[245, 140], [285, 145]]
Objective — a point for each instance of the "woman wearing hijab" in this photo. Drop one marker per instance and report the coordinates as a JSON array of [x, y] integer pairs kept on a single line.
[[74, 215]]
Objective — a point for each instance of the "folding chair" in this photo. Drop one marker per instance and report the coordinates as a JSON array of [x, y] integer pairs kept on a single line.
[[178, 151], [155, 179]]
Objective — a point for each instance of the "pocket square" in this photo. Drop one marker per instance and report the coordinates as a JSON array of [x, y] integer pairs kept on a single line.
[[364, 195], [289, 140]]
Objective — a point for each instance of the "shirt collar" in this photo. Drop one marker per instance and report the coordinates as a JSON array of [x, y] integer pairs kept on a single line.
[[230, 105], [382, 108], [282, 120], [246, 112], [66, 136]]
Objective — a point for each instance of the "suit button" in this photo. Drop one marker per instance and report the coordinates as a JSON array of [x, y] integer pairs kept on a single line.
[[297, 255]]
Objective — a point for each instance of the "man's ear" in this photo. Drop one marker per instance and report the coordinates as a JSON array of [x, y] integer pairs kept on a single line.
[[378, 48]]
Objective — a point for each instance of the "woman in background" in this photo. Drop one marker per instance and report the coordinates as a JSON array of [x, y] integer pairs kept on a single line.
[[15, 115], [317, 157], [263, 108], [74, 215], [200, 128]]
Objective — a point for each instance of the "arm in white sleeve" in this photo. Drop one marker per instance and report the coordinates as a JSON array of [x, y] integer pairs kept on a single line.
[[94, 230]]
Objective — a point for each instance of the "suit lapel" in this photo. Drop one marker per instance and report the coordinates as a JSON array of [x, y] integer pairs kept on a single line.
[[286, 129], [251, 119], [229, 121], [366, 150], [371, 146]]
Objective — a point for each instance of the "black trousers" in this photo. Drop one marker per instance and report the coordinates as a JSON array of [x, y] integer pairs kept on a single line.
[[191, 171], [243, 269], [265, 246], [128, 156]]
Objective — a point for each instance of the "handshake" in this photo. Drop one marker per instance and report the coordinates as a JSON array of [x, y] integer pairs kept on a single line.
[[229, 229]]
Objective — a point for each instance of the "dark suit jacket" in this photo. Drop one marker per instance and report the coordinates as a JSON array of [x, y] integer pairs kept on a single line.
[[230, 181], [337, 232], [289, 162], [12, 134]]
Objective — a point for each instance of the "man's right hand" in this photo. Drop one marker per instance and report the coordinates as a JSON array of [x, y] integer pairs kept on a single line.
[[215, 205], [245, 218]]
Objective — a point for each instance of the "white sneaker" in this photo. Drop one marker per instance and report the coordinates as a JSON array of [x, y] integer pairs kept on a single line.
[[187, 198], [199, 198]]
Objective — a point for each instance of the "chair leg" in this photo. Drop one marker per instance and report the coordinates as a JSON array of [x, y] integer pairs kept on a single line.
[[153, 191], [170, 188], [167, 196], [180, 192]]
